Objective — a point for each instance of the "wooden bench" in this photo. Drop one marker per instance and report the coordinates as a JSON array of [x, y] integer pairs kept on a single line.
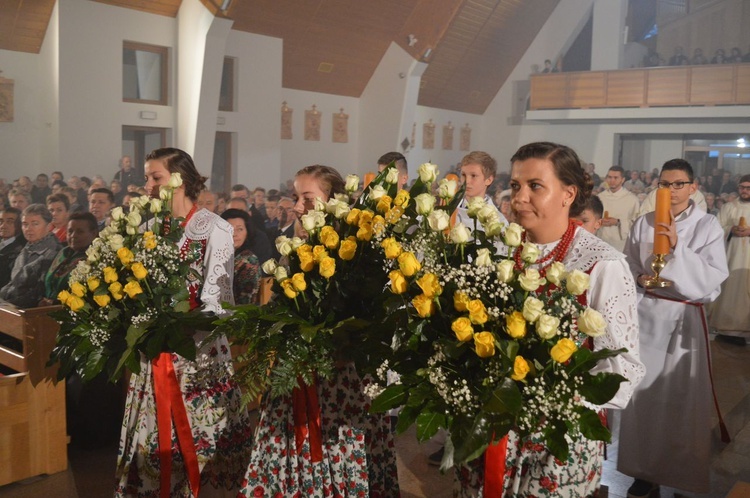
[[33, 437]]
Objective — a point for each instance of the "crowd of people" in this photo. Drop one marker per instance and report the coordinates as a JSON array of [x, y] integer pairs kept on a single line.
[[680, 58], [46, 227]]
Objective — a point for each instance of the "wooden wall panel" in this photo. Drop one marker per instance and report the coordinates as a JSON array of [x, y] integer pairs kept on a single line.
[[742, 92], [667, 86], [549, 91], [587, 89], [626, 88], [711, 84]]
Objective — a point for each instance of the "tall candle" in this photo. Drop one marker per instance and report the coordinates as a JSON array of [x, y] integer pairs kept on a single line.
[[743, 223], [369, 176], [663, 206]]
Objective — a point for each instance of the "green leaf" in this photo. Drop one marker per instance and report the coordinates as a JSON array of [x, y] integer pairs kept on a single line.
[[392, 397], [308, 332], [473, 444], [554, 439], [182, 307], [506, 398], [406, 417], [134, 335], [428, 423], [592, 428], [600, 388]]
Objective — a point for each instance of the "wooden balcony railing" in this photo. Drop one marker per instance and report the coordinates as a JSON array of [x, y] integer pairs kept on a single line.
[[727, 84]]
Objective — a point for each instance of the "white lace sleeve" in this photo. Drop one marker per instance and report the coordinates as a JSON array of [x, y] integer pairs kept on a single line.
[[613, 294], [218, 268]]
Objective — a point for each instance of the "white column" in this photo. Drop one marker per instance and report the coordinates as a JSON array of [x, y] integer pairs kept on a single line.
[[607, 39]]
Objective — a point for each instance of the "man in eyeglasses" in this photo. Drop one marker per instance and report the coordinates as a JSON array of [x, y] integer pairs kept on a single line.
[[649, 203], [730, 315], [672, 408]]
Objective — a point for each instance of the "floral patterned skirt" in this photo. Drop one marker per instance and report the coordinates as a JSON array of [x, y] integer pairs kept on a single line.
[[220, 426], [532, 471], [359, 456]]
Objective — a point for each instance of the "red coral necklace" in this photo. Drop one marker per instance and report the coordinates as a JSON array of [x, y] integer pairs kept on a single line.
[[556, 254]]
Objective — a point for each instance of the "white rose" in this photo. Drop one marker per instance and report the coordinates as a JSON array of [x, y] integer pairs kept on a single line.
[[297, 242], [308, 221], [447, 188], [175, 180], [131, 230], [592, 323], [392, 176], [556, 273], [106, 232], [280, 274], [156, 206], [530, 280], [342, 209], [342, 197], [530, 252], [377, 192], [532, 309], [116, 242], [546, 326], [164, 194], [134, 219], [319, 205], [352, 183], [577, 282], [493, 228], [474, 205], [459, 234], [487, 214], [269, 267], [284, 246], [427, 172], [92, 253], [425, 203], [484, 257], [505, 270], [117, 213], [513, 235], [438, 220]]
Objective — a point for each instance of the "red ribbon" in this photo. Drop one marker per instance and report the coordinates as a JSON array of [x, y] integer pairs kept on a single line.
[[169, 404], [307, 419], [494, 467]]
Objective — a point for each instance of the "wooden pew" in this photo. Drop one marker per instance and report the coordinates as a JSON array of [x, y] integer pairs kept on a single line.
[[33, 437]]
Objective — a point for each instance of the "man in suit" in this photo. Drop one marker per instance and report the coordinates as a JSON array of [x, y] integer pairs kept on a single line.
[[11, 241]]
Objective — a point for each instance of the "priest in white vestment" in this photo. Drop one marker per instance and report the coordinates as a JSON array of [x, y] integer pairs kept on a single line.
[[621, 208], [665, 433], [730, 314]]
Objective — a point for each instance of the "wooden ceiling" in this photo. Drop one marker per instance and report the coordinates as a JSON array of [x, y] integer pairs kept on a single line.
[[334, 46]]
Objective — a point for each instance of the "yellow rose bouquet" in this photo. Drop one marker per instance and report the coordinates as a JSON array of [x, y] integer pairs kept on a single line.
[[484, 343], [130, 296]]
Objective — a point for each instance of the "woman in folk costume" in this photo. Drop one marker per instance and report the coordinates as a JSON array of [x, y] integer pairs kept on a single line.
[[548, 188], [673, 407], [210, 439], [358, 452]]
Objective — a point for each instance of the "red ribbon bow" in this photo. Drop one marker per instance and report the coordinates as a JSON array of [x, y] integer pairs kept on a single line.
[[306, 411]]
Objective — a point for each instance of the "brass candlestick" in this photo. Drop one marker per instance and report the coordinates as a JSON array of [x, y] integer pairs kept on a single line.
[[657, 265]]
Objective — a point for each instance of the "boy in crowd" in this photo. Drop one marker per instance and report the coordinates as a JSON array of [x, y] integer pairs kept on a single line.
[[591, 216]]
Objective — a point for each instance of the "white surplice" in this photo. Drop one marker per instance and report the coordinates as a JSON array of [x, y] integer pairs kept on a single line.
[[665, 432], [730, 314], [624, 206]]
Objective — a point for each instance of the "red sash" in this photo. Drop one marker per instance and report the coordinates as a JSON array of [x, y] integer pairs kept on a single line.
[[306, 410]]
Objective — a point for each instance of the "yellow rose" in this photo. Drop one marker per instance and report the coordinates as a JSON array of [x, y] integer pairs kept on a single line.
[[132, 289], [149, 240], [289, 288], [63, 296], [304, 248], [402, 199], [75, 303], [515, 324], [563, 350], [398, 282], [93, 283], [477, 312], [430, 285], [329, 237], [484, 343], [365, 232], [110, 275], [394, 214], [115, 288], [365, 218], [520, 368], [384, 204], [460, 301], [78, 289], [348, 248], [424, 305], [306, 260], [139, 271], [378, 224], [463, 329], [126, 255], [102, 300], [353, 217], [298, 282], [408, 264], [392, 248], [319, 252], [327, 267]]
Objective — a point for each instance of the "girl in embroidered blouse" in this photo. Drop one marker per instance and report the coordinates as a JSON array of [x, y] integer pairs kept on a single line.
[[549, 187], [217, 422], [358, 450]]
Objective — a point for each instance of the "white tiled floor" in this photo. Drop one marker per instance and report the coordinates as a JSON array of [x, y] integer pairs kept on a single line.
[[91, 472]]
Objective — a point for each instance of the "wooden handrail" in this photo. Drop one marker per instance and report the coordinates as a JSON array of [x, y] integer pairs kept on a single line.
[[708, 85]]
